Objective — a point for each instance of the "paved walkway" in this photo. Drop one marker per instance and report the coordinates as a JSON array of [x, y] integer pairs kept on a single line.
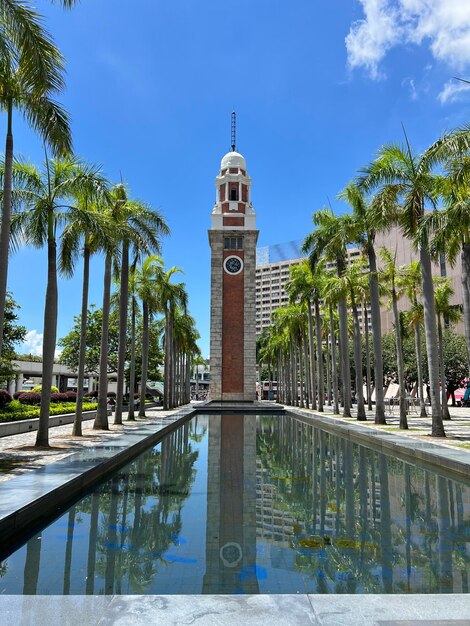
[[18, 454]]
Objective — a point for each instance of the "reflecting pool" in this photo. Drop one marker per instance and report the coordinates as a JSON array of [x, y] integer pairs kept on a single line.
[[245, 504]]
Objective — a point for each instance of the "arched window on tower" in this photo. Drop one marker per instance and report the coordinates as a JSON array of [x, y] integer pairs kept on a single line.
[[233, 192]]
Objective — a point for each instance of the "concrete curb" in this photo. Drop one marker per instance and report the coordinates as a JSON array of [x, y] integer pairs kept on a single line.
[[441, 457]]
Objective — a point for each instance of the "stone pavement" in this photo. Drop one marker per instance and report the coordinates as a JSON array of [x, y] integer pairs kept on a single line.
[[457, 428], [18, 454]]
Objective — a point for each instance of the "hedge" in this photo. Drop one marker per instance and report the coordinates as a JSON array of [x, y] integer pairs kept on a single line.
[[17, 411]]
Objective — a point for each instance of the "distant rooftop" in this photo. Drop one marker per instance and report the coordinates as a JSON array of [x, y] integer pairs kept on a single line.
[[279, 252]]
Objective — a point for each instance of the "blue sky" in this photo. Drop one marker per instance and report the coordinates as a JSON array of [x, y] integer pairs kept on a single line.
[[318, 86]]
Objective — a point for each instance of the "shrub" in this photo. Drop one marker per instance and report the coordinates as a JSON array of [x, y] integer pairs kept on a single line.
[[136, 396], [91, 394], [16, 411], [59, 397], [5, 398], [17, 394], [71, 395], [111, 394], [38, 389], [30, 397]]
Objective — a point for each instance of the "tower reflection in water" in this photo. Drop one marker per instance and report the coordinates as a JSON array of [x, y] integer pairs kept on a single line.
[[231, 506]]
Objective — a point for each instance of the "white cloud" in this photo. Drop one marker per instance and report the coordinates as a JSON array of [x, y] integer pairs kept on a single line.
[[453, 91], [443, 24], [32, 344]]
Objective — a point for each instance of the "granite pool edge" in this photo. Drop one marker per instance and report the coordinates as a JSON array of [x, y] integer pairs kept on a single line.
[[453, 460], [33, 513]]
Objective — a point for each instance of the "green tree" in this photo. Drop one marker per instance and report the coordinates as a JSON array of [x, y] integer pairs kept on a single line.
[[170, 297], [330, 239], [410, 279], [86, 227], [147, 283], [371, 218], [411, 180], [13, 334], [31, 71], [47, 197], [142, 227], [389, 275], [446, 313]]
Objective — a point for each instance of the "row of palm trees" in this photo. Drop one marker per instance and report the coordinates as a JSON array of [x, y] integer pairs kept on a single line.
[[70, 205], [426, 196]]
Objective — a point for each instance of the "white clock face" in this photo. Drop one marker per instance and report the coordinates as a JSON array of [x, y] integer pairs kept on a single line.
[[233, 265]]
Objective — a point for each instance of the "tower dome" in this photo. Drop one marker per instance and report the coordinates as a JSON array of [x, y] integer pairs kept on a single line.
[[233, 159]]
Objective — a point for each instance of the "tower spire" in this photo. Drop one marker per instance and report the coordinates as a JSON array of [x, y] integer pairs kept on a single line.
[[234, 130]]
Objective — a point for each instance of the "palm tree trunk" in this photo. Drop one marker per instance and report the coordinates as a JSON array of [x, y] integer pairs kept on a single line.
[[130, 413], [430, 329], [312, 355], [361, 412], [166, 384], [419, 369], [344, 348], [465, 257], [301, 372], [308, 378], [400, 363], [6, 219], [321, 386], [329, 391], [376, 337], [123, 304], [368, 377], [334, 368], [77, 423], [145, 357], [50, 331], [445, 408], [101, 420]]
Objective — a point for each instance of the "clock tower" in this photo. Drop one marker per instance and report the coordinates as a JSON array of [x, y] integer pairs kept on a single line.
[[232, 238]]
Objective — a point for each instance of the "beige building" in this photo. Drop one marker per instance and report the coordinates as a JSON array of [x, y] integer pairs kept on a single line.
[[272, 276], [271, 279]]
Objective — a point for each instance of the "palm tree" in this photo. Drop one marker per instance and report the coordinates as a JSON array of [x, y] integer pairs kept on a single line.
[[389, 275], [47, 197], [301, 287], [446, 313], [48, 119], [411, 179], [144, 227], [352, 284], [170, 296], [132, 291], [330, 238], [410, 280], [371, 218], [450, 230], [86, 233], [147, 283]]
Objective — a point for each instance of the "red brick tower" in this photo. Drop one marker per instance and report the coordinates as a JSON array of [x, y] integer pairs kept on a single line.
[[233, 238]]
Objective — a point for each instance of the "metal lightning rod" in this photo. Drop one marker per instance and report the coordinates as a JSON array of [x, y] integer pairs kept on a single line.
[[234, 130]]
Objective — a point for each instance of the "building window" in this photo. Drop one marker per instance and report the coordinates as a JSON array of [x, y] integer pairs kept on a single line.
[[233, 243]]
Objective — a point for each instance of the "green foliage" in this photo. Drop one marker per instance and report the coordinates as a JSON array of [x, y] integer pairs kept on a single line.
[[71, 343], [13, 334], [38, 389], [16, 411], [455, 357]]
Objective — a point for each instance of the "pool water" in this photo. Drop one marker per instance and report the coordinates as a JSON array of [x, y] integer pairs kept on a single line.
[[255, 504]]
